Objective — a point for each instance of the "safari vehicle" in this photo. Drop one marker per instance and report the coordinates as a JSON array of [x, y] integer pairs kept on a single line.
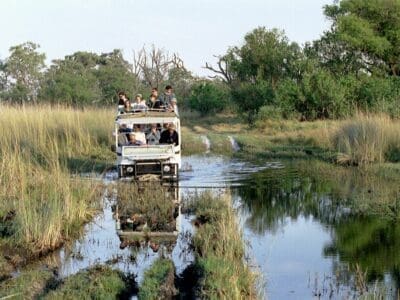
[[160, 161]]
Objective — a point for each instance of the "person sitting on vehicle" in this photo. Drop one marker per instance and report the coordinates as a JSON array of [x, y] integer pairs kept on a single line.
[[127, 106], [153, 137], [123, 128], [167, 96], [173, 107], [139, 104], [122, 98], [170, 136], [154, 101], [132, 140], [140, 136]]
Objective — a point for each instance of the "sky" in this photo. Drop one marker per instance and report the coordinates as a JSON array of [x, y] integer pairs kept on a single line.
[[195, 29]]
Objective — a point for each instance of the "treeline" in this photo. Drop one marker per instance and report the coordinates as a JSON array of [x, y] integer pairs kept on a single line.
[[86, 78], [353, 66]]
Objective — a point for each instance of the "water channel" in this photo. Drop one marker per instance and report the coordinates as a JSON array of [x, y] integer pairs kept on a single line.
[[303, 237]]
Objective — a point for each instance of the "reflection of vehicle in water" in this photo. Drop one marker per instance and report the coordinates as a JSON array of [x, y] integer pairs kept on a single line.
[[147, 211], [142, 159]]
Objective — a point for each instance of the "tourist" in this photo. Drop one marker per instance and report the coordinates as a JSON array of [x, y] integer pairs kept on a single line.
[[139, 104], [167, 96], [139, 134], [153, 137], [170, 136]]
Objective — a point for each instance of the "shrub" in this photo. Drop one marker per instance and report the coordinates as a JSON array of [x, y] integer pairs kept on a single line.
[[249, 97], [269, 112], [368, 139], [209, 97]]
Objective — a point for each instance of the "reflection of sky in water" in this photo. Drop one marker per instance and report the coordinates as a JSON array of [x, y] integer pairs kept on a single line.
[[218, 171], [288, 257]]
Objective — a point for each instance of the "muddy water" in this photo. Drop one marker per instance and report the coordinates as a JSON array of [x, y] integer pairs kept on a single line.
[[302, 238]]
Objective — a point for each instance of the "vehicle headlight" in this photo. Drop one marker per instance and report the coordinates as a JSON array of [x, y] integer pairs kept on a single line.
[[129, 169], [167, 169]]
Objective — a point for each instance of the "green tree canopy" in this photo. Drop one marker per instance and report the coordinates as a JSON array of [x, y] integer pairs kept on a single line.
[[22, 72], [372, 28]]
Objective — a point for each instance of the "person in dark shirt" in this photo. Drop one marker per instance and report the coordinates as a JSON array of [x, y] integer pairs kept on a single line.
[[170, 136], [155, 103], [122, 98]]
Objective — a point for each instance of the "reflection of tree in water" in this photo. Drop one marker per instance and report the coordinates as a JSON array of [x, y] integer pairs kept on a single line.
[[273, 197], [371, 242]]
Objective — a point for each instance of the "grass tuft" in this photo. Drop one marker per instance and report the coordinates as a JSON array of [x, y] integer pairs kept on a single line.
[[368, 139], [158, 281]]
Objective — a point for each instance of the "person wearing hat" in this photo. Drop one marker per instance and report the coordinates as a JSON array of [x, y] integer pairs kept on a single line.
[[170, 136], [139, 104]]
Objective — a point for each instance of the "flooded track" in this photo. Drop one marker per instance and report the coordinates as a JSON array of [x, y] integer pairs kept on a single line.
[[300, 234]]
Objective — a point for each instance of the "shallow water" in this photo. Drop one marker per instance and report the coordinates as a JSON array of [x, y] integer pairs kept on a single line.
[[304, 239]]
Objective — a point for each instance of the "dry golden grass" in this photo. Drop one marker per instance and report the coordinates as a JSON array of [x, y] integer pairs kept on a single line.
[[367, 139], [47, 205]]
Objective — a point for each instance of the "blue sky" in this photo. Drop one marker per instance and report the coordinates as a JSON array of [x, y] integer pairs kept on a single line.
[[195, 29]]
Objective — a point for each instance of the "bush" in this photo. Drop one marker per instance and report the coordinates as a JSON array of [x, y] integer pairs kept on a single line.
[[249, 97], [269, 112], [209, 98]]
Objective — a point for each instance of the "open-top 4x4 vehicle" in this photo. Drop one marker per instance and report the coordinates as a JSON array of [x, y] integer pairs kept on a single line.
[[161, 161]]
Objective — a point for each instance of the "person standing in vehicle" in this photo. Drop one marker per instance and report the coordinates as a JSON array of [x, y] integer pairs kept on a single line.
[[170, 136], [168, 95], [155, 102]]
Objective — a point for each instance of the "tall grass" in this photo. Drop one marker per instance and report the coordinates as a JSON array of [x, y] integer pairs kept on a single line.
[[367, 139], [47, 206], [220, 251]]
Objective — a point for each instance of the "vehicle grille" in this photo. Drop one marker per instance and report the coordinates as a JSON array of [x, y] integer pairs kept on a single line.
[[148, 169]]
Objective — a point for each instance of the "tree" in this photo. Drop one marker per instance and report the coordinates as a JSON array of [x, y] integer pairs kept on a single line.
[[114, 74], [72, 80], [24, 69], [153, 66], [372, 28], [266, 55], [208, 97]]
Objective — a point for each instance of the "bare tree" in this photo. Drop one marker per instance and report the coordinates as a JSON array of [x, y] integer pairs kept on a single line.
[[154, 65], [222, 70]]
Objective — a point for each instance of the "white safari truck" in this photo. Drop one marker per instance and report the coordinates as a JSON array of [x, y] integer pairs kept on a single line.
[[160, 161]]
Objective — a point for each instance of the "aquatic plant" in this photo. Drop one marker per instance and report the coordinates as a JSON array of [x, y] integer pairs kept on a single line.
[[43, 206], [149, 204], [98, 282], [220, 252], [367, 139], [158, 281]]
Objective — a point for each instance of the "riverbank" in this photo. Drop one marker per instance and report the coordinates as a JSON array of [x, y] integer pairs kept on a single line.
[[361, 140]]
